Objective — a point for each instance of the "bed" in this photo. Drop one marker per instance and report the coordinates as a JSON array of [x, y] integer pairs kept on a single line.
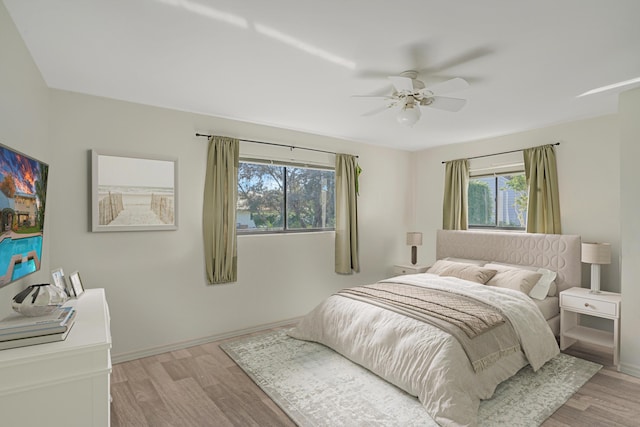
[[452, 361]]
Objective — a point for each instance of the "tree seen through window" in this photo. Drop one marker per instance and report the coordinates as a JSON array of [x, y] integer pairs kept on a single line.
[[269, 194]]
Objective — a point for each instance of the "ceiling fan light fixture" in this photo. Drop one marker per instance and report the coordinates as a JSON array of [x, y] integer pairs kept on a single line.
[[409, 115]]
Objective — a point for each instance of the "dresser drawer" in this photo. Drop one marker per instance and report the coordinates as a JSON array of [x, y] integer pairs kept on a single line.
[[586, 305]]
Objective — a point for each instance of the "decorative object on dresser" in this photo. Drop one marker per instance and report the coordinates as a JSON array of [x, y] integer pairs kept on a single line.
[[578, 301], [17, 330], [414, 239], [596, 254], [60, 281], [38, 300], [76, 284]]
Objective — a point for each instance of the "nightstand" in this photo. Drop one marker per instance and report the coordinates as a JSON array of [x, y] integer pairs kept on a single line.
[[409, 269], [578, 301]]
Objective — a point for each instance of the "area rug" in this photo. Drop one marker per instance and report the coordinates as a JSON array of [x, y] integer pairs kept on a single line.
[[316, 386]]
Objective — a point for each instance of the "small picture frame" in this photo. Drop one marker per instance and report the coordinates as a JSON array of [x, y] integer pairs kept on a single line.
[[76, 284], [60, 281]]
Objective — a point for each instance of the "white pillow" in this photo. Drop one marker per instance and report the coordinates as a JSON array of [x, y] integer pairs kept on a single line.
[[541, 289]]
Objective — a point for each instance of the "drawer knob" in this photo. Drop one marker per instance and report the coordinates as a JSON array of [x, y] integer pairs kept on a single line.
[[586, 304]]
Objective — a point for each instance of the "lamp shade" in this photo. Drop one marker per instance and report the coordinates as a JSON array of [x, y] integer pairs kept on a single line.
[[596, 253], [414, 238]]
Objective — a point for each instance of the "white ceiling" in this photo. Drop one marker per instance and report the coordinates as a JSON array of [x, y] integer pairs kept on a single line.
[[295, 63]]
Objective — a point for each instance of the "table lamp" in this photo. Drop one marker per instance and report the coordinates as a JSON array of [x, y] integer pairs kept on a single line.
[[596, 254]]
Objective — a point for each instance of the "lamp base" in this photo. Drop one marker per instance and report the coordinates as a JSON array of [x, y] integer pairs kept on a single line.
[[414, 255], [595, 279]]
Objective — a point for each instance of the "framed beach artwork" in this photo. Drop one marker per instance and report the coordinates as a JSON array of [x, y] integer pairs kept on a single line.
[[133, 192]]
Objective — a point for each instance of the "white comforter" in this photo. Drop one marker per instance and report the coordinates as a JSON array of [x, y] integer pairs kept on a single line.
[[422, 359]]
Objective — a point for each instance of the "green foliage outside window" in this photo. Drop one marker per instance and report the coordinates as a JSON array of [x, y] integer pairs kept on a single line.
[[498, 201], [261, 198], [481, 203], [518, 184]]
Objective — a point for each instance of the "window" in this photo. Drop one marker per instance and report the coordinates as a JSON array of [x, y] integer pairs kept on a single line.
[[498, 201], [284, 198]]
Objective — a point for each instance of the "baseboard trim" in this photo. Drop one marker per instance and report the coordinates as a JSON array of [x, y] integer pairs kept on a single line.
[[629, 369], [132, 355]]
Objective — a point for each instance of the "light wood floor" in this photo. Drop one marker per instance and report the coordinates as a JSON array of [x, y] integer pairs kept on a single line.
[[201, 386]]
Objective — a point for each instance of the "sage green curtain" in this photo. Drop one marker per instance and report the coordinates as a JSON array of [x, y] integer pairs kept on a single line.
[[543, 211], [455, 204], [219, 211], [346, 251]]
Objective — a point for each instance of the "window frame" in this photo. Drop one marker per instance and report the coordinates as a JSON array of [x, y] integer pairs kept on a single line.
[[496, 208], [285, 164]]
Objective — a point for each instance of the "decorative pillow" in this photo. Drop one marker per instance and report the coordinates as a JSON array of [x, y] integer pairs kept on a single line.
[[467, 261], [469, 272], [541, 289], [513, 278], [440, 265], [553, 288]]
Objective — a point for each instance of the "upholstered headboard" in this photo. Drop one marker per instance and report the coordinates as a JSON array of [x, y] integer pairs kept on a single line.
[[555, 252]]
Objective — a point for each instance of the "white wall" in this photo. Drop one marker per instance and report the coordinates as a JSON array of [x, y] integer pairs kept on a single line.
[[630, 231], [24, 121], [588, 160], [155, 281]]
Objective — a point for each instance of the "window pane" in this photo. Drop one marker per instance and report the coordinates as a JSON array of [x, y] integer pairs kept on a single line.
[[482, 195], [310, 198], [260, 204], [512, 201], [498, 201]]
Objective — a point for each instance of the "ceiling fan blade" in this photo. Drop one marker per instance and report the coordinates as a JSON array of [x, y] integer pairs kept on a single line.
[[402, 84], [378, 110], [447, 104], [384, 98], [452, 85]]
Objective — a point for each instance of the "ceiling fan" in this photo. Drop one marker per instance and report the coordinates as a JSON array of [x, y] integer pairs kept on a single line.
[[410, 94]]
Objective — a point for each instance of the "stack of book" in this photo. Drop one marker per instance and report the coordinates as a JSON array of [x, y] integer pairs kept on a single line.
[[17, 330]]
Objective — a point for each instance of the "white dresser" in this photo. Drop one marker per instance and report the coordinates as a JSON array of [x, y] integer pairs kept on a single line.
[[63, 383]]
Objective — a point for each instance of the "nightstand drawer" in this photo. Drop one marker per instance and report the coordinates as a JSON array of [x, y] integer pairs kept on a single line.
[[586, 305]]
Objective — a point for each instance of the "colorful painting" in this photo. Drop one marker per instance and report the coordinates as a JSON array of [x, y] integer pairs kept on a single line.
[[23, 187]]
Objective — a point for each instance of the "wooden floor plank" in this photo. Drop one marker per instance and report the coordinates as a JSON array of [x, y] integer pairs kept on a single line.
[[202, 386], [125, 411], [134, 370]]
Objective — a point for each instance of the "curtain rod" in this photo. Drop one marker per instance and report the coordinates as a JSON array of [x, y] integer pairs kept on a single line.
[[497, 154], [291, 147]]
